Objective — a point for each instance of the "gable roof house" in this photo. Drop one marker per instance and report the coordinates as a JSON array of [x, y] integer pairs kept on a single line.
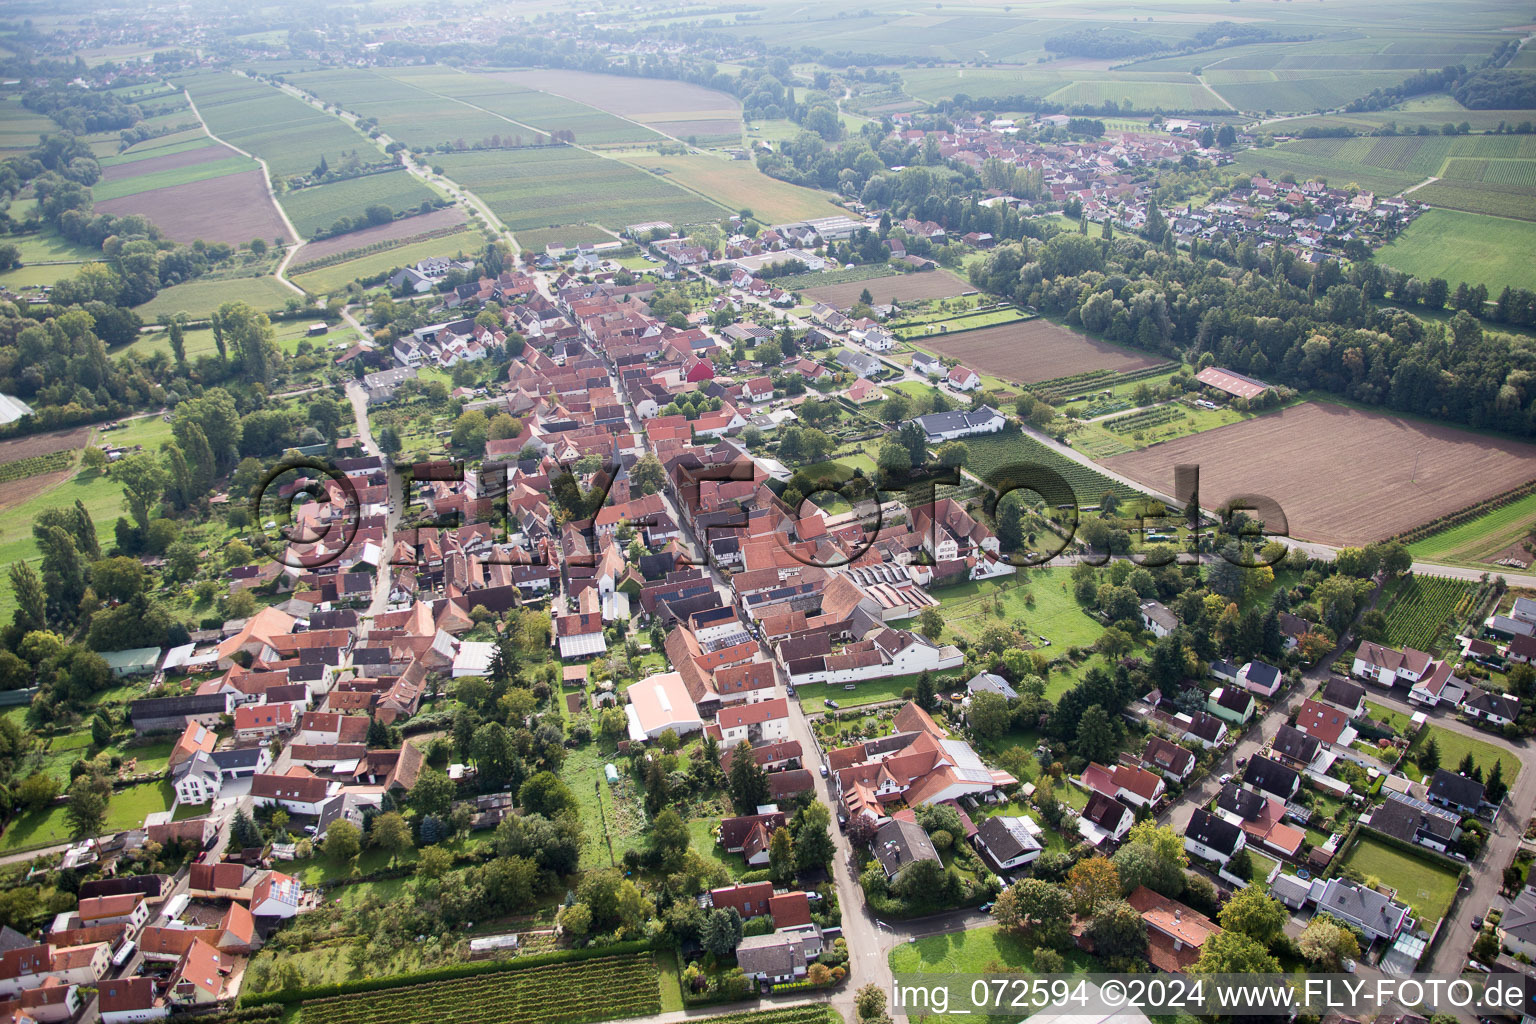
[[958, 423], [1377, 915], [1175, 933], [1270, 776], [1415, 821], [1260, 677], [1158, 618], [1455, 792], [1173, 761], [1327, 724], [1212, 838], [1347, 696], [1232, 704], [1104, 819], [898, 843], [1008, 842], [1517, 928]]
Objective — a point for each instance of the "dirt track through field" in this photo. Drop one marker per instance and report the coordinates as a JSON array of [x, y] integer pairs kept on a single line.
[[1031, 351], [1341, 475]]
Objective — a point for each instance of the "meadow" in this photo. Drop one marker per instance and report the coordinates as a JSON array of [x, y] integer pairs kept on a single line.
[[200, 298], [554, 185], [318, 207], [1470, 247]]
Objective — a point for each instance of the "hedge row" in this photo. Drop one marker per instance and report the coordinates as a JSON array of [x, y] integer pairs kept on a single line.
[[297, 995]]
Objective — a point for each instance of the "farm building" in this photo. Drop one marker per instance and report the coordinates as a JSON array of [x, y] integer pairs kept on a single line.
[[1234, 384]]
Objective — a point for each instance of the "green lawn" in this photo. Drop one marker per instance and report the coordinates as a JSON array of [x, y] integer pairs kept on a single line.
[[49, 827], [701, 833], [1425, 886], [870, 691], [1055, 614], [1454, 746], [987, 950]]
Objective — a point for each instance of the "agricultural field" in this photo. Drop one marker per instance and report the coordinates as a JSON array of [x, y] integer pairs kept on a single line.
[[678, 109], [132, 176], [323, 280], [568, 236], [738, 185], [1139, 95], [915, 287], [318, 207], [202, 297], [1469, 247], [289, 134], [1425, 885], [1390, 164], [555, 185], [20, 127], [400, 230], [588, 990], [233, 208], [1034, 351], [1418, 470], [1424, 609], [1261, 90], [1485, 539], [516, 106], [672, 108]]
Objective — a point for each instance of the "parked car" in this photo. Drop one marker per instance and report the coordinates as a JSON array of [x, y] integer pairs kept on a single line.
[[985, 908], [823, 771], [1477, 924], [1242, 761], [1226, 777], [829, 702]]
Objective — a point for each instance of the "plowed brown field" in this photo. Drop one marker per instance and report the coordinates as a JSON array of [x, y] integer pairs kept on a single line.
[[1341, 476], [1034, 350]]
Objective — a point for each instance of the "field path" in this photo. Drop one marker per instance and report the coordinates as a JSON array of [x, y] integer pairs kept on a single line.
[[266, 174], [1414, 188]]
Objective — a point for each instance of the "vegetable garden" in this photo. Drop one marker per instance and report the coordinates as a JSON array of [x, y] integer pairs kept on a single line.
[[36, 465], [592, 990], [1423, 607], [1144, 419]]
